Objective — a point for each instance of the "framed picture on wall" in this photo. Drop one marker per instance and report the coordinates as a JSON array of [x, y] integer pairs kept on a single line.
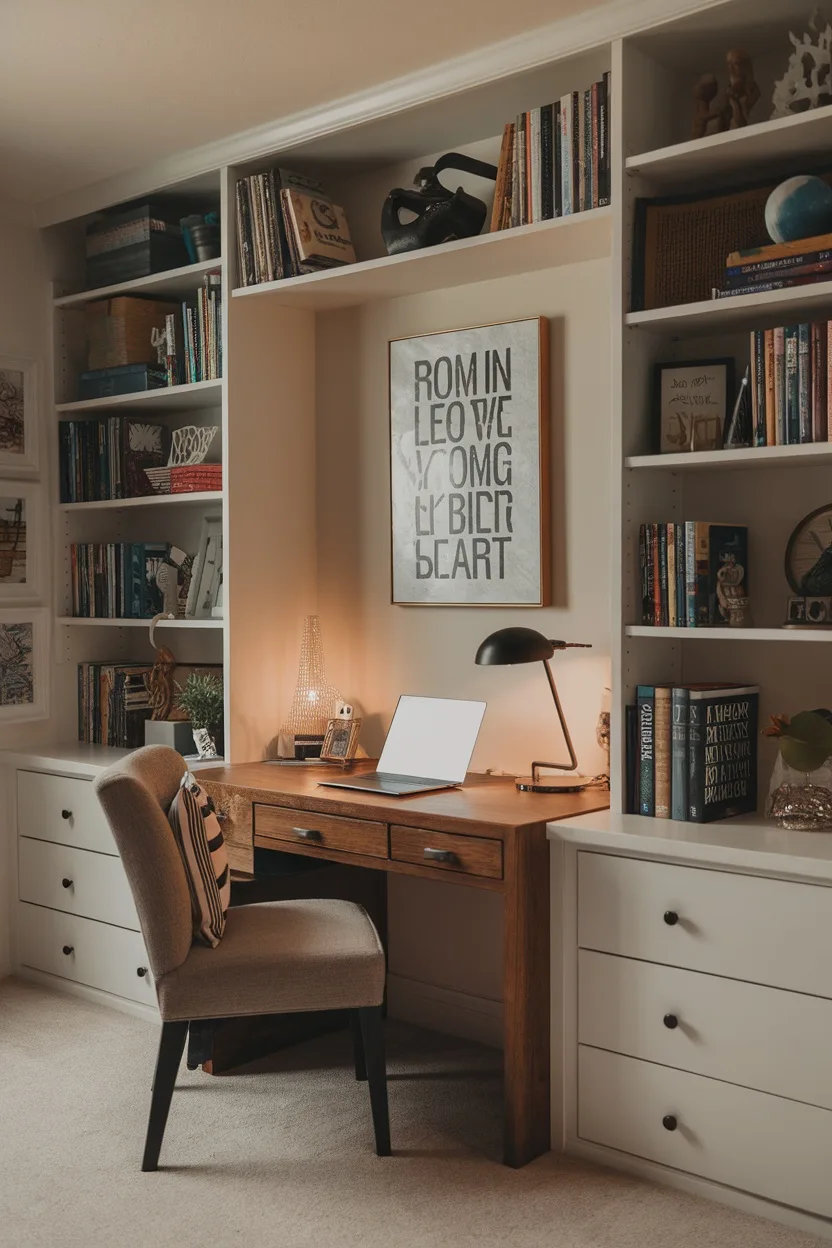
[[18, 416], [469, 466], [20, 542], [23, 664]]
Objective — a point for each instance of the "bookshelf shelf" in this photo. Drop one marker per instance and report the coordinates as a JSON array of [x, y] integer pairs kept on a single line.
[[741, 458], [151, 500], [730, 634], [175, 282], [737, 152], [566, 240], [84, 622], [773, 307], [190, 397]]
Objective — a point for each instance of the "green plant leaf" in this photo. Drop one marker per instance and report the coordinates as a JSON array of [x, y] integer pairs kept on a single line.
[[807, 742]]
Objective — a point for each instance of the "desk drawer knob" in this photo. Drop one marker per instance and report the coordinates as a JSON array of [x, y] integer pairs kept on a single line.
[[669, 1122], [671, 918], [671, 1021], [440, 855], [66, 814], [67, 950], [65, 883], [141, 971], [308, 834]]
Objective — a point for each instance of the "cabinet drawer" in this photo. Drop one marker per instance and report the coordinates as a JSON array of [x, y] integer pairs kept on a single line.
[[759, 1037], [76, 880], [740, 926], [473, 855], [304, 827], [758, 1143], [57, 808], [101, 956]]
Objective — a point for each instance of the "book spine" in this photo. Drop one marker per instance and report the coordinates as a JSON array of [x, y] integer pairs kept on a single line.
[[604, 144], [631, 760], [690, 572], [778, 266], [804, 382], [776, 251], [587, 149], [566, 153], [547, 169], [557, 176], [663, 602], [657, 574], [771, 407], [679, 712], [780, 384], [594, 146], [515, 177], [722, 727], [645, 700], [762, 288], [575, 148], [646, 597], [522, 170], [792, 386], [661, 751], [672, 619], [703, 558], [819, 381], [536, 165], [530, 157], [758, 381], [681, 591], [696, 762]]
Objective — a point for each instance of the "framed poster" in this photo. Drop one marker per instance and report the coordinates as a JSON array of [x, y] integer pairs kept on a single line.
[[23, 666], [18, 416], [692, 404], [20, 542], [469, 466]]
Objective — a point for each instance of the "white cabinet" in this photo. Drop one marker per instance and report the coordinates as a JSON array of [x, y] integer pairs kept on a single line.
[[76, 881], [63, 809], [96, 954]]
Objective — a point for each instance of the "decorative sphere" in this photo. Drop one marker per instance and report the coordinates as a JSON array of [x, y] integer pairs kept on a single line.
[[800, 207]]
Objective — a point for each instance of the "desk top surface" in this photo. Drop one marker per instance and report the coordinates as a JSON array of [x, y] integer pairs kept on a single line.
[[490, 800]]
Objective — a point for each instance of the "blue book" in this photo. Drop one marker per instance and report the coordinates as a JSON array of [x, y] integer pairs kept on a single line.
[[792, 385]]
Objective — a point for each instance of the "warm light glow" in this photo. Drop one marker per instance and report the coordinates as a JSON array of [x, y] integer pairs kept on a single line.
[[313, 695]]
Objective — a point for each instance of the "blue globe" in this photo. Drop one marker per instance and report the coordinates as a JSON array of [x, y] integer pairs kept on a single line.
[[800, 207]]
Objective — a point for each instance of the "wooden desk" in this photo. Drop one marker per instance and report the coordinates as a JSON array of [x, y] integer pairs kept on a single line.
[[486, 835]]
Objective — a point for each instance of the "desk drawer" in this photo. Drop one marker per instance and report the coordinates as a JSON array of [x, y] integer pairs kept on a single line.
[[748, 1140], [100, 956], [472, 855], [774, 932], [77, 881], [758, 1037], [62, 809], [304, 827]]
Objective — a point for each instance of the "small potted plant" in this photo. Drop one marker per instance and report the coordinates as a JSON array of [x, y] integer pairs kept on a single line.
[[800, 794], [201, 699]]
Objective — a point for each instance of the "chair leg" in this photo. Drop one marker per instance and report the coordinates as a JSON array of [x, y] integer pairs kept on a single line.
[[372, 1031], [171, 1044], [358, 1046]]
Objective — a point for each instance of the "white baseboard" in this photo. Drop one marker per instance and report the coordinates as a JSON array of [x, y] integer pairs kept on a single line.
[[147, 1012], [444, 1009]]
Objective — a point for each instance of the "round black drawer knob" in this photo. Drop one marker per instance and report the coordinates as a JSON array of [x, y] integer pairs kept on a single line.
[[669, 1122], [141, 971], [671, 1021], [671, 918], [68, 949], [66, 883], [66, 814]]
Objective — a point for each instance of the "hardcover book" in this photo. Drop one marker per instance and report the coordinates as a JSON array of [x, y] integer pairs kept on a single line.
[[320, 234], [662, 750], [645, 700], [722, 752]]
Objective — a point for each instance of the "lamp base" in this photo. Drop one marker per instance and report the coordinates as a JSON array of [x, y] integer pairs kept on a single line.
[[552, 784]]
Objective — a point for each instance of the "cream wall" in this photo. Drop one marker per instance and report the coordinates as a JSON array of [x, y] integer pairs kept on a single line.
[[441, 936], [23, 332]]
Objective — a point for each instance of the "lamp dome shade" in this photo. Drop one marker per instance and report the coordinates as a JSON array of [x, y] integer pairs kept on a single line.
[[514, 645]]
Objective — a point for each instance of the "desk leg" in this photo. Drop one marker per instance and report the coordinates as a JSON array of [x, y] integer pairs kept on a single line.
[[526, 993]]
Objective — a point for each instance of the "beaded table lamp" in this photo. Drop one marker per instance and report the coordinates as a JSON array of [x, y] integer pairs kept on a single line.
[[314, 702]]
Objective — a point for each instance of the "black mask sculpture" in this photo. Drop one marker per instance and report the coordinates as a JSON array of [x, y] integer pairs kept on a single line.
[[441, 215]]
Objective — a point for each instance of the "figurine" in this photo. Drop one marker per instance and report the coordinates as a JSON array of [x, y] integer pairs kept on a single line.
[[732, 600], [743, 92], [703, 114], [161, 686]]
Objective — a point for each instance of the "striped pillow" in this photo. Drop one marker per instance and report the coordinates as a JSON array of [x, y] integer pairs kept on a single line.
[[200, 840]]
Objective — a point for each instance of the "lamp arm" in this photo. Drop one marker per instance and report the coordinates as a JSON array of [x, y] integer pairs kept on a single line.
[[573, 762]]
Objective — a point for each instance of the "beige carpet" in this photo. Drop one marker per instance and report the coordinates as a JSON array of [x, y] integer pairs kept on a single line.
[[282, 1156]]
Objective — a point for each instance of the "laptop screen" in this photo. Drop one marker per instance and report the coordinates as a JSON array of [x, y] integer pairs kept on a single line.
[[431, 738]]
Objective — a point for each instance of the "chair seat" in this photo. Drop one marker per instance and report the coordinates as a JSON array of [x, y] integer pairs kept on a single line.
[[280, 957]]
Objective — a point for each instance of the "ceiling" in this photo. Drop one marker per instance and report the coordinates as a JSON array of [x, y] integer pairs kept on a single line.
[[90, 88]]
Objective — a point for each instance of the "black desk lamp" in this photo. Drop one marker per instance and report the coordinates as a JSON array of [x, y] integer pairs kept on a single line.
[[524, 645]]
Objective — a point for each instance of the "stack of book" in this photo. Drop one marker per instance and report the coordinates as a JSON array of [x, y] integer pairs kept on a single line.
[[288, 225], [555, 160], [117, 580], [777, 266], [194, 346], [682, 566], [692, 751], [113, 704], [791, 395], [107, 459]]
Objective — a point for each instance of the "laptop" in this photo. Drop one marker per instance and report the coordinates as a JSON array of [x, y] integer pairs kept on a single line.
[[429, 746]]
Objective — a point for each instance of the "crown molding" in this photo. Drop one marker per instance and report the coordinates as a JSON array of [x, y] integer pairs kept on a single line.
[[527, 51]]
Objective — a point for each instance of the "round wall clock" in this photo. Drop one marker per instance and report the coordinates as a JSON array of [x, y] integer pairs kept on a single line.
[[809, 555]]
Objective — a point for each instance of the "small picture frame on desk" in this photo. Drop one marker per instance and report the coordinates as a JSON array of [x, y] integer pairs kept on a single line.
[[691, 404], [341, 740]]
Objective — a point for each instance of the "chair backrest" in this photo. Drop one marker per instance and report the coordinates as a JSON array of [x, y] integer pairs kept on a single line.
[[136, 794]]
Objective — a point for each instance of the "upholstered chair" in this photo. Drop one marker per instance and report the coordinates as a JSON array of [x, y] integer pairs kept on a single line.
[[274, 958]]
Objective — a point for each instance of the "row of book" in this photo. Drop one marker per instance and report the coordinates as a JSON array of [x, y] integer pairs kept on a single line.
[[555, 160], [107, 459], [691, 572], [791, 394], [692, 751], [777, 266], [118, 580], [113, 704], [288, 225], [193, 350]]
